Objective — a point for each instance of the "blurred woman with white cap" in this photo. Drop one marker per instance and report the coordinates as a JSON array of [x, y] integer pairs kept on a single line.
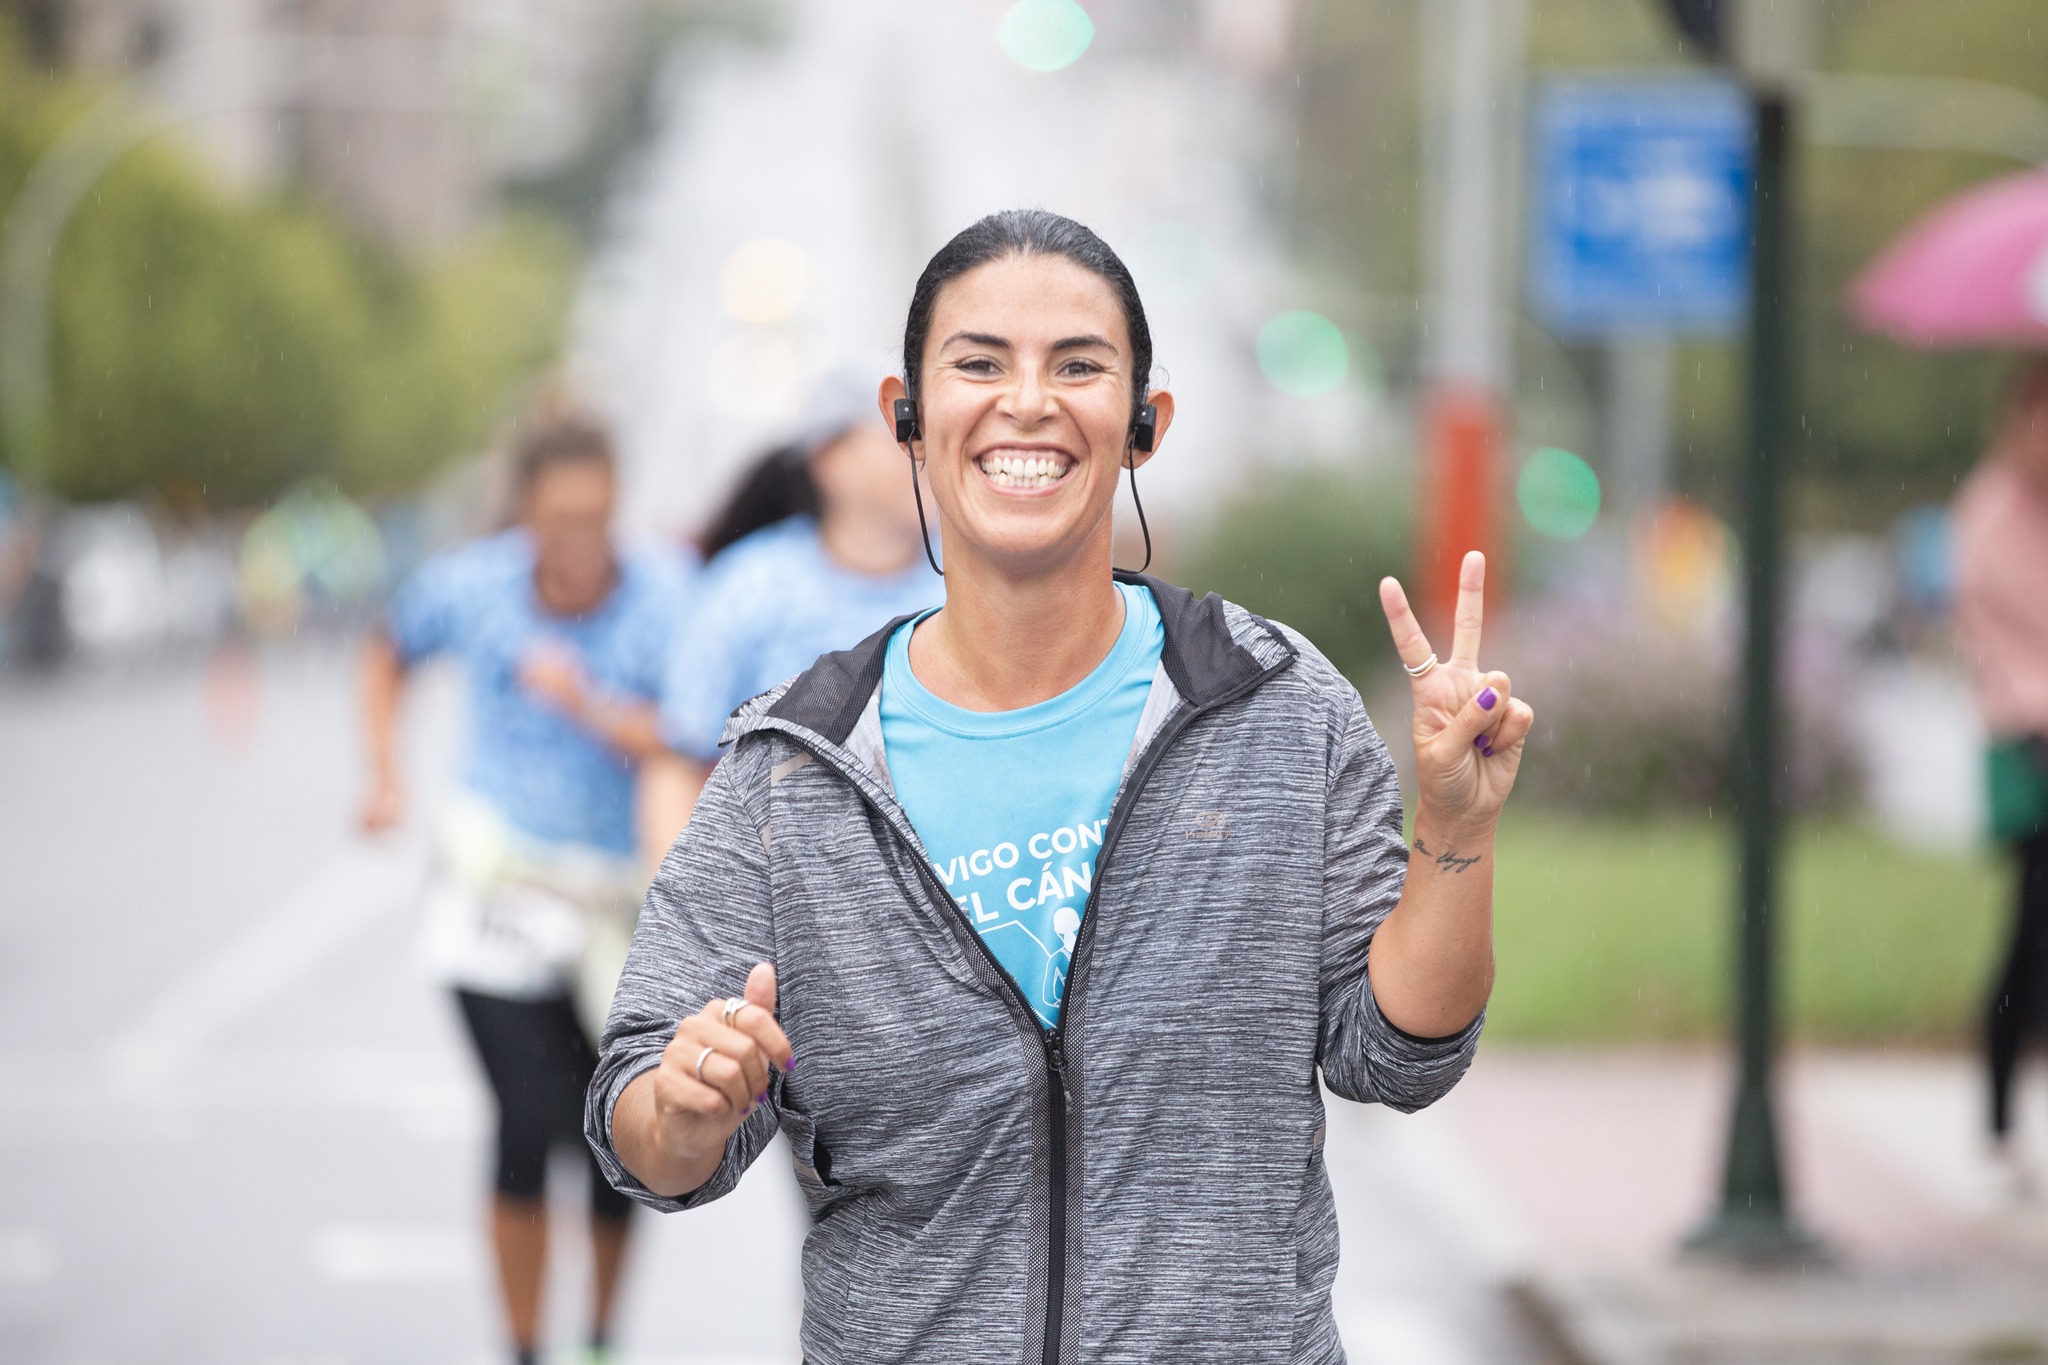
[[848, 558]]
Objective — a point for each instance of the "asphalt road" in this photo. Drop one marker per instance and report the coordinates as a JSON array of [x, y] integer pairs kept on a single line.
[[236, 1126]]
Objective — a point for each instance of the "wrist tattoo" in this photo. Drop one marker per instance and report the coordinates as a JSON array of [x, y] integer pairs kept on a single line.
[[1448, 859]]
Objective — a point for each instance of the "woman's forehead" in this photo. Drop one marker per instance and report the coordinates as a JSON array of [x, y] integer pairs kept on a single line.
[[1029, 300]]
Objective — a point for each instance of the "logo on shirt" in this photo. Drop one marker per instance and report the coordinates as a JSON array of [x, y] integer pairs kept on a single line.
[[1210, 825], [1025, 899]]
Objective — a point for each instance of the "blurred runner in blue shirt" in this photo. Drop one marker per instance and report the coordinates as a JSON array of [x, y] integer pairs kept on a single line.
[[819, 548], [564, 640]]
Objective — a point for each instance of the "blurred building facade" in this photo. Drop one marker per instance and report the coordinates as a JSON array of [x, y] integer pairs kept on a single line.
[[780, 215], [405, 114]]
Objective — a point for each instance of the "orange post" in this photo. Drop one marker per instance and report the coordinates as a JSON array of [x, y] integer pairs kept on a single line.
[[1462, 434]]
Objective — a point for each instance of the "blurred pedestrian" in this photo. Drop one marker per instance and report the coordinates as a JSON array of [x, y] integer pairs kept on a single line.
[[2001, 533], [1065, 892], [563, 638], [819, 544]]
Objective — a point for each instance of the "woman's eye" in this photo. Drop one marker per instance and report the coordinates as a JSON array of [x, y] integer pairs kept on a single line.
[[1080, 369], [981, 365]]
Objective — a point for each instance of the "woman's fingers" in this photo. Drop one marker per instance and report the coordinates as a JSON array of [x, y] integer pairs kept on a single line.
[[1409, 641], [738, 1043], [708, 1084], [1471, 614], [1476, 720], [761, 1022], [1515, 726], [761, 1026]]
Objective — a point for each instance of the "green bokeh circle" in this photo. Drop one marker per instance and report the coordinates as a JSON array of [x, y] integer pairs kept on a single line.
[[1046, 35], [1303, 353], [1559, 493]]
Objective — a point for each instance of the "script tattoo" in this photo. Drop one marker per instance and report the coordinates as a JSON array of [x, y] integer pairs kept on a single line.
[[1448, 859]]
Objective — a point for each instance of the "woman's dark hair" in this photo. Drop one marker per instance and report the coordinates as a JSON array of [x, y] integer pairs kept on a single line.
[[777, 487], [556, 441], [1026, 232]]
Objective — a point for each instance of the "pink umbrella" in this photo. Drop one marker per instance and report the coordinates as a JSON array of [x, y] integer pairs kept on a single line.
[[1971, 272]]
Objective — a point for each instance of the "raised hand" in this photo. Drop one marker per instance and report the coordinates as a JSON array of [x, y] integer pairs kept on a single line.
[[715, 1070], [553, 673], [1469, 728]]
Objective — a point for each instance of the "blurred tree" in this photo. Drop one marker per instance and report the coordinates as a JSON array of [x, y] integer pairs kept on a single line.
[[212, 349]]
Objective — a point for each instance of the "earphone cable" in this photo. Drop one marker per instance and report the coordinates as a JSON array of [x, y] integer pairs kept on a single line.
[[924, 532], [1131, 463]]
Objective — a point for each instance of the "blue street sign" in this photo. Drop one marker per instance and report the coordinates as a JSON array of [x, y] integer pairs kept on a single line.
[[1641, 213]]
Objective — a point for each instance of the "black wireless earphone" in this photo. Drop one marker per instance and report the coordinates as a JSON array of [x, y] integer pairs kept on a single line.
[[1145, 427], [1144, 431]]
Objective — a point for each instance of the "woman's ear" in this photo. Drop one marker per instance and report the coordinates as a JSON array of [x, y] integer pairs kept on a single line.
[[885, 399], [1162, 418]]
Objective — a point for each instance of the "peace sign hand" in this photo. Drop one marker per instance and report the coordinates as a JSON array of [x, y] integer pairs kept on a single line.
[[1469, 730]]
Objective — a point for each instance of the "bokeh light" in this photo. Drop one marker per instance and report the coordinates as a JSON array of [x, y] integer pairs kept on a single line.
[[764, 281], [1684, 560], [1559, 493], [1303, 353], [1046, 35]]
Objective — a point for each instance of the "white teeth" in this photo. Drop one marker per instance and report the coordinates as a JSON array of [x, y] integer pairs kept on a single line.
[[1022, 471]]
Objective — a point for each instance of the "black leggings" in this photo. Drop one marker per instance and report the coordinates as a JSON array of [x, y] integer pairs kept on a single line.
[[540, 1064], [2019, 1001]]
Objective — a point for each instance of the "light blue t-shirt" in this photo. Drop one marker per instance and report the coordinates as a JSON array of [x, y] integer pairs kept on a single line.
[[1012, 805], [548, 776], [766, 608]]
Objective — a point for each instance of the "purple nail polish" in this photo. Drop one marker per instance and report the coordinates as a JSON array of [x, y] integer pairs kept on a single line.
[[761, 1098], [792, 1063], [1480, 743], [1487, 698], [1486, 746]]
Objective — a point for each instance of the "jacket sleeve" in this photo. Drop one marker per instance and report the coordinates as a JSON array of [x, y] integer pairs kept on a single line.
[[1365, 864], [705, 923]]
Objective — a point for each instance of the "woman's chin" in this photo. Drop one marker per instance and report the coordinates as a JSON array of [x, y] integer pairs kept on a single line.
[[1020, 540]]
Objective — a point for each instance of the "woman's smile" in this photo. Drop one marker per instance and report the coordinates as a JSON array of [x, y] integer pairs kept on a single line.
[[1025, 469]]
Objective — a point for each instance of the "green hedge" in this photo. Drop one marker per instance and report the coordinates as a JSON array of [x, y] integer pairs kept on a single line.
[[1612, 931], [1309, 547]]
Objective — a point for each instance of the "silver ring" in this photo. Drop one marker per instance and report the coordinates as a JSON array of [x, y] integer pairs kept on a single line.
[[732, 1010], [1420, 668], [700, 1064]]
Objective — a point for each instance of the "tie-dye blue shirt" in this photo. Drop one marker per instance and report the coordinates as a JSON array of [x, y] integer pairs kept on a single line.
[[548, 776]]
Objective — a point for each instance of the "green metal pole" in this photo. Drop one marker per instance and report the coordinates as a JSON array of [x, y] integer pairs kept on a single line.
[[1752, 1222]]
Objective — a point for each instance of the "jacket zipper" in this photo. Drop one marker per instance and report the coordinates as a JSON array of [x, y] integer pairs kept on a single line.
[[1059, 1097], [1056, 1038]]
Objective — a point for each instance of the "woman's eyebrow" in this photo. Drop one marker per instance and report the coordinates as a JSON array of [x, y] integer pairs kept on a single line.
[[977, 339], [1076, 343]]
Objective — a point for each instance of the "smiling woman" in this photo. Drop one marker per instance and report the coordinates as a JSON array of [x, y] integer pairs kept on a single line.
[[1065, 891]]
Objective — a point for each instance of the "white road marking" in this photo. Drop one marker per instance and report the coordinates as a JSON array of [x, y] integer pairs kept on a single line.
[[264, 961]]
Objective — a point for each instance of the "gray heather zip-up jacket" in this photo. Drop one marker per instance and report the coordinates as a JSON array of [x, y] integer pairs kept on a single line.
[[1144, 1182]]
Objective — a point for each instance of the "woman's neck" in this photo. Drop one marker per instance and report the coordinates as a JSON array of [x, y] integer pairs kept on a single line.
[[1005, 642], [867, 545]]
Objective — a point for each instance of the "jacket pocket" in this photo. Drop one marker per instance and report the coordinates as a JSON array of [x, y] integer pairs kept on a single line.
[[1315, 1260], [809, 1156]]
